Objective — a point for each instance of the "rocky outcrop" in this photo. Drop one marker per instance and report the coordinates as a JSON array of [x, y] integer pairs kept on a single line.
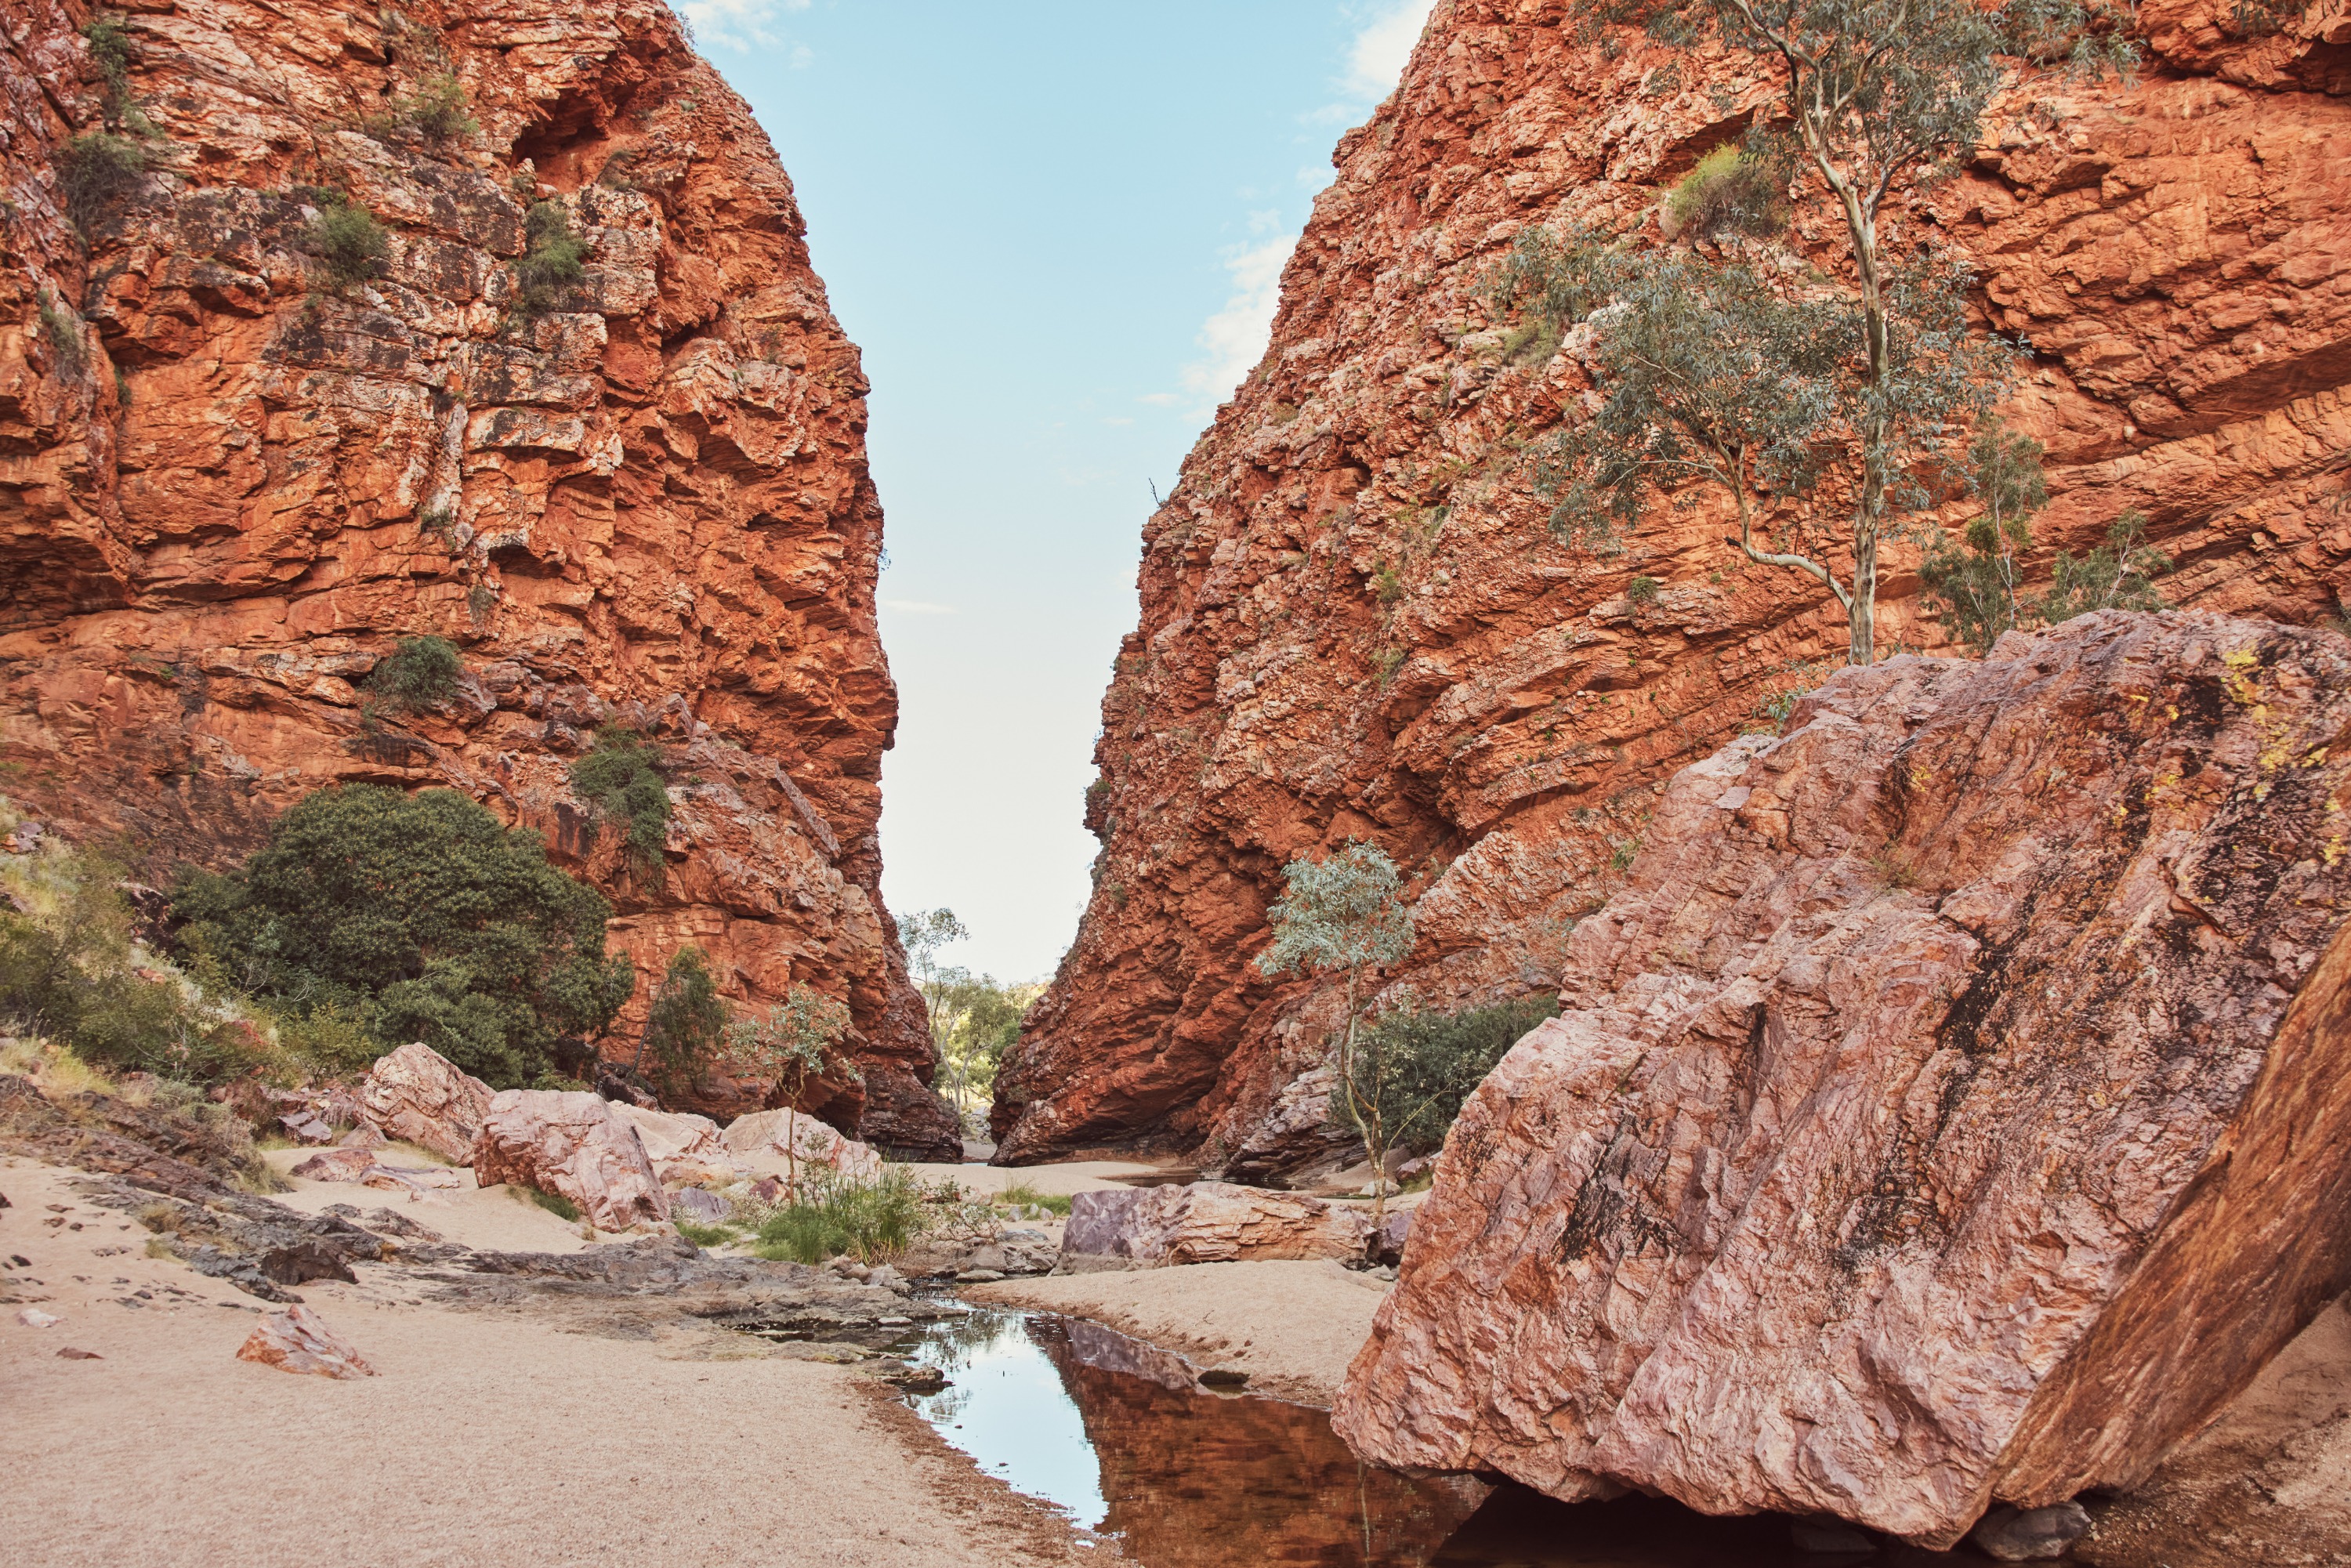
[[419, 1096], [1208, 1222], [296, 1340], [669, 1135], [229, 483], [1354, 622], [576, 1147], [1953, 1109], [801, 1141]]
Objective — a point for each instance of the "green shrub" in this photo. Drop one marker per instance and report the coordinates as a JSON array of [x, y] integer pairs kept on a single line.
[[2118, 575], [868, 1221], [354, 247], [1428, 1063], [1024, 1192], [685, 1024], [1730, 192], [63, 329], [438, 110], [705, 1235], [621, 780], [1387, 584], [111, 52], [96, 171], [417, 672], [555, 1204], [550, 262], [422, 917], [1641, 591]]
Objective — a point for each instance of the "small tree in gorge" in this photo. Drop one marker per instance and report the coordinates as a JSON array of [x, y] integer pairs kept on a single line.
[[1346, 915], [1873, 94], [685, 1022], [791, 1044]]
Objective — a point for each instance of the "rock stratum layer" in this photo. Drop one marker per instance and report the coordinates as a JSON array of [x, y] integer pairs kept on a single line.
[[227, 486], [1954, 1107], [1356, 625]]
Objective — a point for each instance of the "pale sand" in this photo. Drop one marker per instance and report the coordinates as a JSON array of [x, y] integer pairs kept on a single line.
[[489, 1438], [1292, 1327], [1058, 1181], [492, 1219]]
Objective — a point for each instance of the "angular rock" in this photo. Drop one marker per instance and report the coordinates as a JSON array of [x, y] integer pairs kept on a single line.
[[334, 1165], [698, 1207], [295, 1339], [1354, 620], [812, 1142], [2030, 1534], [1209, 1222], [573, 1145], [1953, 1108], [673, 1135], [415, 1095]]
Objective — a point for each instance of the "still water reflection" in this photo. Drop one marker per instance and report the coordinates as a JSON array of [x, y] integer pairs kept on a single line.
[[1115, 1432]]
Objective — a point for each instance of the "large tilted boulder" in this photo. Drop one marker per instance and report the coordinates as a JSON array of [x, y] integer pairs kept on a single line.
[[812, 1144], [416, 1095], [1208, 1222], [671, 1135], [1953, 1108], [575, 1146]]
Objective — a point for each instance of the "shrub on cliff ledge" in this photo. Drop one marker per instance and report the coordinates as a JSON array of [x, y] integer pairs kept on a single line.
[[417, 672], [422, 915], [1423, 1064], [550, 262], [353, 247], [622, 782], [97, 172]]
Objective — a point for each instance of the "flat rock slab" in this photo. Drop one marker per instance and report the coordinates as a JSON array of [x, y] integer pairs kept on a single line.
[[1954, 1107], [1208, 1222]]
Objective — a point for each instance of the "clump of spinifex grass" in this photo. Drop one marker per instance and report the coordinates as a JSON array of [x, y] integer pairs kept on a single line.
[[831, 1216]]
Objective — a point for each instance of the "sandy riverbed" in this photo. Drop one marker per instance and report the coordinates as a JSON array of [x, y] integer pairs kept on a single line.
[[486, 1439]]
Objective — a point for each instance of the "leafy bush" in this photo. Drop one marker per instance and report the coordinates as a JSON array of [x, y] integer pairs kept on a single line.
[[96, 171], [1641, 591], [550, 262], [438, 110], [1422, 1065], [705, 1235], [1387, 584], [420, 916], [1556, 278], [555, 1204], [63, 329], [685, 1022], [868, 1221], [621, 780], [2118, 575], [1730, 192], [111, 52], [417, 672], [346, 236], [70, 970]]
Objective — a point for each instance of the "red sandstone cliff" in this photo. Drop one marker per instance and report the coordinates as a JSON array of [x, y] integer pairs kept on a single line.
[[226, 486], [2175, 249]]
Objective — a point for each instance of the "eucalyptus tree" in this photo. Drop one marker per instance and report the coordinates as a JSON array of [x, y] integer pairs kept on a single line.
[[791, 1046], [1346, 915], [1874, 364]]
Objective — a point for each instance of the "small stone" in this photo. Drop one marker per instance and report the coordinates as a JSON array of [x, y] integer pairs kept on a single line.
[[980, 1276], [34, 1318], [2030, 1534], [68, 1353], [295, 1339]]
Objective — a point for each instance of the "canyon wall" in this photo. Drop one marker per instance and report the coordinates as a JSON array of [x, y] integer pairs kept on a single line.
[[1356, 624], [228, 484], [1953, 1107]]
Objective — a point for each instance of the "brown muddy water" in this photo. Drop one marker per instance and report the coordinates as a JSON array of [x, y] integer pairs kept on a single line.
[[1118, 1434]]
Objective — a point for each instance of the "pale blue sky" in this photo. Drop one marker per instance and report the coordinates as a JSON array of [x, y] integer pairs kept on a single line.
[[1055, 229]]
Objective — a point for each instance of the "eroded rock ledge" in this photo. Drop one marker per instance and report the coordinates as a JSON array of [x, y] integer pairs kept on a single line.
[[1954, 1108]]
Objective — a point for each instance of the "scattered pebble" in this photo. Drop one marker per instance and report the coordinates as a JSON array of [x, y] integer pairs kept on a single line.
[[34, 1318], [68, 1353]]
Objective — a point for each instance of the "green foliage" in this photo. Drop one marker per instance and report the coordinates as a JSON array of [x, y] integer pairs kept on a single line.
[[420, 916], [1419, 1065], [1023, 1193], [1972, 590], [417, 672], [686, 1023], [63, 329], [832, 1216], [974, 1020], [622, 781], [438, 110], [705, 1235], [550, 262], [97, 172], [1556, 278], [792, 1043], [1731, 191], [1641, 591], [2117, 575], [354, 245], [1387, 584], [111, 51], [555, 1204]]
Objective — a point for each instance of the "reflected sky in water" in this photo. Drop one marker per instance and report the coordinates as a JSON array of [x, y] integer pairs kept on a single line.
[[1009, 1409]]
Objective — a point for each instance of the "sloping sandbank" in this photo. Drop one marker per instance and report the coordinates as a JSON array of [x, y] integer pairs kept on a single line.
[[486, 1437], [1291, 1326]]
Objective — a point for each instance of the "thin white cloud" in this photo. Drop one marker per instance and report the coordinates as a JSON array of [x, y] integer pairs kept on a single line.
[[1160, 400], [1117, 419], [917, 607], [1383, 46], [740, 24], [1235, 336]]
